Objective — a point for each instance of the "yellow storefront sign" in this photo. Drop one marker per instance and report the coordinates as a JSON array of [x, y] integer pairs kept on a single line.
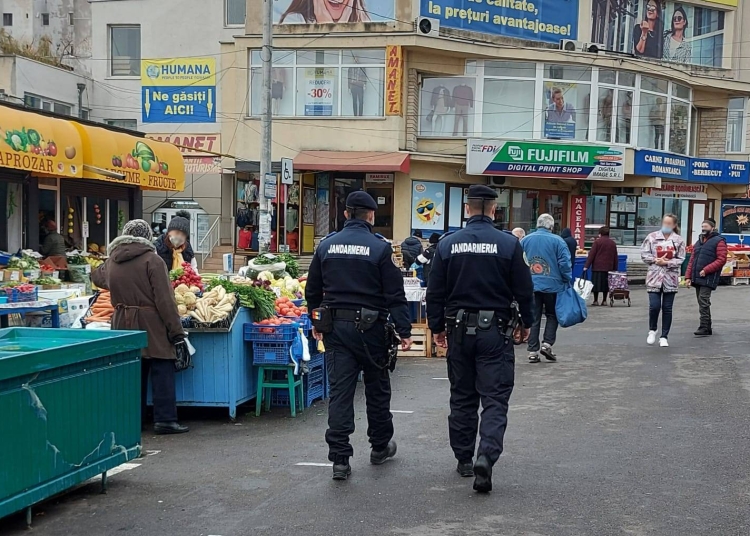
[[394, 72], [148, 164], [732, 3], [178, 72], [39, 144]]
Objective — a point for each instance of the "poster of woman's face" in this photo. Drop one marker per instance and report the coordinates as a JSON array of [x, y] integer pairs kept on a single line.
[[332, 11], [661, 30]]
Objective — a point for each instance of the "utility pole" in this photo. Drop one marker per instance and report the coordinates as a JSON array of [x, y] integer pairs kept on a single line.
[[266, 56]]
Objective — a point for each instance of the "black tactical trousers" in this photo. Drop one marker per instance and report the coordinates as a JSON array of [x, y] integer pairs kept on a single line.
[[345, 358], [481, 368]]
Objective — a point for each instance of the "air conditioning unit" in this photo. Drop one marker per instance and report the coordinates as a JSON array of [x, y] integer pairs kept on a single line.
[[570, 45], [495, 181], [428, 26]]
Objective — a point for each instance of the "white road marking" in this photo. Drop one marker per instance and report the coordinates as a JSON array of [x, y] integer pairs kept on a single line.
[[152, 452], [313, 464], [401, 411], [446, 379]]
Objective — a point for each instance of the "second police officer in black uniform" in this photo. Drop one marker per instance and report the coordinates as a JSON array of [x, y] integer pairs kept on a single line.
[[352, 286], [477, 273]]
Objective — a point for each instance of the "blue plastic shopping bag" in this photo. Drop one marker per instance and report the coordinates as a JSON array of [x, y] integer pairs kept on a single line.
[[570, 308]]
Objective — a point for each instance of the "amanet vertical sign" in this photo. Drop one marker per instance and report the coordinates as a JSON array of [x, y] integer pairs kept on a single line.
[[178, 90]]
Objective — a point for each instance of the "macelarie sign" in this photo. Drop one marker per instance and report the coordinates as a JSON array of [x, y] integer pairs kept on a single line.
[[545, 160], [540, 20], [706, 170]]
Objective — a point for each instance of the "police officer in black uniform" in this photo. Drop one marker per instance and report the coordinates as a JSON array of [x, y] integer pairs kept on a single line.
[[477, 274], [351, 288]]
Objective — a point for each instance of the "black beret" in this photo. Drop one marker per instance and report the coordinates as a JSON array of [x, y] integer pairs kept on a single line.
[[361, 199], [479, 191]]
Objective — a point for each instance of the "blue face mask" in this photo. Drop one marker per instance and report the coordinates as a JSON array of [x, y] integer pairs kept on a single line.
[[666, 230]]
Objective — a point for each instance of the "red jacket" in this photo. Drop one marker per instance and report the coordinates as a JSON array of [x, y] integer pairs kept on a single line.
[[602, 256]]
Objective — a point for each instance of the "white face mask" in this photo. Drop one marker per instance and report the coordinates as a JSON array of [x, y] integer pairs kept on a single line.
[[176, 240]]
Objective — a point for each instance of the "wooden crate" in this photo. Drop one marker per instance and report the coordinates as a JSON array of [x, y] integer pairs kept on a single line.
[[421, 343], [741, 272]]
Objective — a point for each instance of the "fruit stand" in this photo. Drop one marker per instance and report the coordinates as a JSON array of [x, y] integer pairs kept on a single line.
[[69, 409]]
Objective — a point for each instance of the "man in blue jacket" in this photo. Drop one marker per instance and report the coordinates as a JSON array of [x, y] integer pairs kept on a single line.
[[551, 267]]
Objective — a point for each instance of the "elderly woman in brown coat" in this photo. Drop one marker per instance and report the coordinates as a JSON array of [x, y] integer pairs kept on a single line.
[[143, 300]]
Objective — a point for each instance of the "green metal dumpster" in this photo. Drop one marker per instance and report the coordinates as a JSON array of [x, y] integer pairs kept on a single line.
[[69, 409]]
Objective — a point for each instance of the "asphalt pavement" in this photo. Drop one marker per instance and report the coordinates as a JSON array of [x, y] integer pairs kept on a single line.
[[617, 438]]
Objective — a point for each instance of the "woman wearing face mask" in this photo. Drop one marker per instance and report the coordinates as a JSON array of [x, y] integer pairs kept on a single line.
[[174, 246], [663, 251]]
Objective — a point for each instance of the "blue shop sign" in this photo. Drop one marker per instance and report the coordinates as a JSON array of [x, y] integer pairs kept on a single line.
[[664, 165], [706, 170], [541, 20]]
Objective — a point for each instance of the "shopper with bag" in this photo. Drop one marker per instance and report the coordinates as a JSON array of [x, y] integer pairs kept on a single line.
[[704, 270], [663, 251], [144, 300], [602, 259], [548, 257]]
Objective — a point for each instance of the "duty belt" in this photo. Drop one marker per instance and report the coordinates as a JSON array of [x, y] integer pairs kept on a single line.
[[352, 315], [466, 322]]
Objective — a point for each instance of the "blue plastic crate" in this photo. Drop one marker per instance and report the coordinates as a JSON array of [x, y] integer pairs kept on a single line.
[[304, 322], [258, 332], [316, 376], [316, 361], [271, 353], [316, 392]]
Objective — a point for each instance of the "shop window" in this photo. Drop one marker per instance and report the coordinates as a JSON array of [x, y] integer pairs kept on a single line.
[[605, 114], [649, 83], [235, 11], [327, 83], [508, 108], [678, 129], [735, 219], [49, 105], [652, 119], [125, 50], [624, 116], [447, 107], [736, 125], [510, 69], [680, 91], [567, 72], [566, 115], [131, 124], [96, 216], [607, 76]]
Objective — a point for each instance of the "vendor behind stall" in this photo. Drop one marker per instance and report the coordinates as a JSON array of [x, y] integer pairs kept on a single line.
[[53, 244], [174, 246]]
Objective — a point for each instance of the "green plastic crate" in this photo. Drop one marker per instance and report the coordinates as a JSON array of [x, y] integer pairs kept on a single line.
[[69, 409]]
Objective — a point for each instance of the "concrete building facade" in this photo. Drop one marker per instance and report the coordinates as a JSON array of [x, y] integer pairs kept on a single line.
[[652, 119]]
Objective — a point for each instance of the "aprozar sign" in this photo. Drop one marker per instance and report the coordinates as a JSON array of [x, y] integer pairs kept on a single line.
[[540, 20], [545, 160]]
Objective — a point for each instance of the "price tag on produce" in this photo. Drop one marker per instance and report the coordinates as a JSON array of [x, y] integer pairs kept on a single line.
[[87, 269]]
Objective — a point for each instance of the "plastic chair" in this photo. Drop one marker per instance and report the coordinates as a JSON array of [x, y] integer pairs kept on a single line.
[[291, 382]]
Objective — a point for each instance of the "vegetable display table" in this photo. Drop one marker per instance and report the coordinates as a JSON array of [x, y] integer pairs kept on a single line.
[[30, 307], [222, 373], [69, 409]]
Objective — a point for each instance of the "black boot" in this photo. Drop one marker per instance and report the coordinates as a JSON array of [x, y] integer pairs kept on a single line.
[[465, 469], [703, 332], [483, 474], [164, 428], [379, 457], [341, 469]]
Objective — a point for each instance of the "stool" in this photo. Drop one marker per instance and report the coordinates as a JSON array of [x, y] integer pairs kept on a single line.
[[291, 382]]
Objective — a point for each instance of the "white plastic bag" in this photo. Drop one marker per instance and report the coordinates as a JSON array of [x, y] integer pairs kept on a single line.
[[583, 287]]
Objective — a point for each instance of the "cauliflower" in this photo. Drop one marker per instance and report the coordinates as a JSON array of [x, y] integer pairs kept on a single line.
[[189, 299], [179, 298], [182, 310], [195, 290], [182, 289], [266, 276]]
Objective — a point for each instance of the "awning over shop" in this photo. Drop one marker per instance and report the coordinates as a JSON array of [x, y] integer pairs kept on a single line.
[[361, 161], [51, 146], [39, 144], [148, 164]]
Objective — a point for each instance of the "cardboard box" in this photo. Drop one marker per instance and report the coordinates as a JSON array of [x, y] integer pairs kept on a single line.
[[56, 263], [11, 276]]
